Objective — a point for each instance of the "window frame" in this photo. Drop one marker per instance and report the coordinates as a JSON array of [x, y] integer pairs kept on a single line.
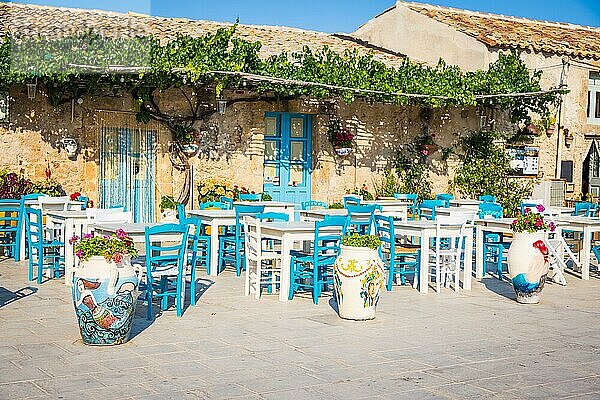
[[593, 98]]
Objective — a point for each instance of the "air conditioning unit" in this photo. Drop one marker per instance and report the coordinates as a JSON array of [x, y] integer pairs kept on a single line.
[[551, 191]]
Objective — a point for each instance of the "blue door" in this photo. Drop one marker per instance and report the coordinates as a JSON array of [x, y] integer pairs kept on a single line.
[[127, 171], [288, 157]]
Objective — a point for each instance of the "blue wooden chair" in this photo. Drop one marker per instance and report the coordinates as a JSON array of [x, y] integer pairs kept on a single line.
[[430, 205], [400, 259], [24, 199], [214, 205], [360, 218], [228, 201], [585, 209], [181, 214], [165, 267], [250, 196], [413, 206], [310, 205], [10, 226], [231, 246], [445, 197], [43, 253], [198, 243], [487, 198], [273, 217], [314, 272], [351, 201], [493, 243]]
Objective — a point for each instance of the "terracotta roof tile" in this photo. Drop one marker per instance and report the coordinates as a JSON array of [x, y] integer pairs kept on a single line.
[[511, 32], [25, 20]]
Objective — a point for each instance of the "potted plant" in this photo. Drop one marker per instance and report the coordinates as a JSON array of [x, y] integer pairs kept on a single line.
[[187, 138], [168, 209], [341, 139], [528, 255], [550, 123], [358, 277], [104, 287]]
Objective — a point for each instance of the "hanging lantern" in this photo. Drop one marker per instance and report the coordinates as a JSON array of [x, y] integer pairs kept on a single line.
[[32, 89], [221, 106]]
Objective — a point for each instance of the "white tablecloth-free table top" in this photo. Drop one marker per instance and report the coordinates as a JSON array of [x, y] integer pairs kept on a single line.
[[319, 215], [215, 219]]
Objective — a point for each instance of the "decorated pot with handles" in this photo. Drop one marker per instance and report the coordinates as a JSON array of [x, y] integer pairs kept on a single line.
[[358, 280], [104, 296], [528, 264]]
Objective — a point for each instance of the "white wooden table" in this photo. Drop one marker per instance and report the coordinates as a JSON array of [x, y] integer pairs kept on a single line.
[[588, 226], [466, 203], [215, 219], [71, 223], [289, 233], [393, 208], [319, 215], [560, 211], [271, 206], [426, 230]]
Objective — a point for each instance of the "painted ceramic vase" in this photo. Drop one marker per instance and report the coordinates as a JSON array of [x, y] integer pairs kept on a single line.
[[528, 266], [358, 280], [104, 296]]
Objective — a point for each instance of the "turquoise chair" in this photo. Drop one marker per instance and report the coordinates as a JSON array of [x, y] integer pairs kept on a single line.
[[360, 218], [231, 246], [400, 259], [314, 272], [217, 205], [250, 196], [493, 243], [85, 201], [228, 201], [585, 209], [445, 197], [487, 198], [10, 226], [181, 214], [198, 243], [351, 201], [413, 198], [273, 217], [43, 253], [165, 269], [430, 205], [309, 205], [24, 198]]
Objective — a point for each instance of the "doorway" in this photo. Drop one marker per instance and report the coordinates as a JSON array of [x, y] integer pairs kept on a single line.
[[591, 171]]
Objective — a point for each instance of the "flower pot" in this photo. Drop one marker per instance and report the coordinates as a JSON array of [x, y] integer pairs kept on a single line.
[[104, 296], [551, 129], [358, 280], [343, 151], [168, 216], [190, 149], [528, 266]]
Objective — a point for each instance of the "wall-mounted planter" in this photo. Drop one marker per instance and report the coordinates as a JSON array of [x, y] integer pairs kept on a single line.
[[343, 151], [190, 149]]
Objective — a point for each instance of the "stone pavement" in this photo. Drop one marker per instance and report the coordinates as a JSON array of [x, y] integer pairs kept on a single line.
[[478, 344]]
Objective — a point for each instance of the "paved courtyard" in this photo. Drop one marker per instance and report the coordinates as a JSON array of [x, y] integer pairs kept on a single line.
[[479, 344]]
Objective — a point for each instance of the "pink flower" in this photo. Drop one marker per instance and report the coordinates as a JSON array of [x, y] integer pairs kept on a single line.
[[425, 152], [73, 239], [540, 208], [514, 222], [88, 236], [527, 210], [120, 233], [79, 253], [539, 222], [552, 226]]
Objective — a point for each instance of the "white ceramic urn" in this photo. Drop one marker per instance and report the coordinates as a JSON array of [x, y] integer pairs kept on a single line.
[[358, 281], [528, 265]]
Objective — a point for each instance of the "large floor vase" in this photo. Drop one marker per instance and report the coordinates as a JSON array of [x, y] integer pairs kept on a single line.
[[104, 296], [528, 266], [358, 280]]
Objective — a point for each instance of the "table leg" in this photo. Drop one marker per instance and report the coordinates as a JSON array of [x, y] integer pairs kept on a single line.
[[69, 232], [22, 243], [468, 268], [424, 266], [586, 251], [214, 248], [479, 252], [284, 284]]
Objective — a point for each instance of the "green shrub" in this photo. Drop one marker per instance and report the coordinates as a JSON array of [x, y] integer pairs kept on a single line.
[[355, 240], [168, 203], [49, 187], [336, 206]]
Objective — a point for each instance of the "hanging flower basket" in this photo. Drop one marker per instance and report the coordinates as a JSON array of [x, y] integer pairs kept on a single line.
[[343, 151], [190, 149]]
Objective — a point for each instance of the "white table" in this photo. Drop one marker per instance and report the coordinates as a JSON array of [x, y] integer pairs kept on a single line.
[[319, 215], [71, 223], [426, 230], [466, 203], [289, 233], [271, 206], [393, 208], [587, 225], [215, 219], [561, 211]]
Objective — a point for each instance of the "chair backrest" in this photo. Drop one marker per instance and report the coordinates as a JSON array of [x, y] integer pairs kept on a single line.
[[490, 210], [430, 205], [240, 212], [253, 239], [228, 201], [327, 243], [10, 220], [360, 217], [250, 196], [584, 208], [164, 254], [384, 229], [351, 200], [116, 217], [181, 214], [453, 229], [445, 197], [91, 212], [214, 205], [48, 203], [312, 204], [34, 226], [412, 197], [487, 198], [273, 217]]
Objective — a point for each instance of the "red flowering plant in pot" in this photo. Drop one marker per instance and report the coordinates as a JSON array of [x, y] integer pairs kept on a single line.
[[341, 138]]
